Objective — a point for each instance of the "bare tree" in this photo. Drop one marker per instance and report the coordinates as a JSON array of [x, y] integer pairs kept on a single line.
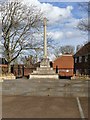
[[38, 51], [78, 47], [84, 24], [67, 49], [28, 60], [57, 51], [19, 23]]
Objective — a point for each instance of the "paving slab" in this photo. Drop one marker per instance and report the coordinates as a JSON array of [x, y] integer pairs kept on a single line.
[[41, 107], [45, 87], [85, 105]]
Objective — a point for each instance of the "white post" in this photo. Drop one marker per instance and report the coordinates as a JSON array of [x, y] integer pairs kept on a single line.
[[45, 39]]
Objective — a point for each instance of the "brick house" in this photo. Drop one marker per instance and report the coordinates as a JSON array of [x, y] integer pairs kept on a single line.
[[64, 65], [82, 60]]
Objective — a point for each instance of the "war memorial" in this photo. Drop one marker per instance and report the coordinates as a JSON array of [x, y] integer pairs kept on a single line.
[[44, 95], [44, 71]]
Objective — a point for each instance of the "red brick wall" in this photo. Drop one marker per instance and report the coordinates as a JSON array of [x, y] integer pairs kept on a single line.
[[65, 65], [27, 71]]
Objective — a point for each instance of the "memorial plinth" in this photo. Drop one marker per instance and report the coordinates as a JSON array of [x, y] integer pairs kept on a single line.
[[44, 71]]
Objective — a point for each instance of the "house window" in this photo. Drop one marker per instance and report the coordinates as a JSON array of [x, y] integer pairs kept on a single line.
[[86, 71], [75, 60], [86, 58], [80, 59]]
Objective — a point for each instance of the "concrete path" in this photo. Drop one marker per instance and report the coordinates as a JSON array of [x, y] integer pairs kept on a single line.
[[42, 107]]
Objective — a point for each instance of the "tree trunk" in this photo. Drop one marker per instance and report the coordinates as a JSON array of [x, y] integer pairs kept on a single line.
[[9, 68]]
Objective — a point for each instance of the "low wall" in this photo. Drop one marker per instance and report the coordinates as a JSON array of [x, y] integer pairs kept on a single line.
[[45, 87], [7, 76]]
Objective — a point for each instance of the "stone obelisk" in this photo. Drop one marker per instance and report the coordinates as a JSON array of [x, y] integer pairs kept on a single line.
[[45, 39], [45, 61], [44, 71]]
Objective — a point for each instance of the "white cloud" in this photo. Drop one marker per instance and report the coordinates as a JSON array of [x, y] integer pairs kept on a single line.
[[72, 34], [56, 14], [72, 23], [56, 35], [59, 36], [53, 13]]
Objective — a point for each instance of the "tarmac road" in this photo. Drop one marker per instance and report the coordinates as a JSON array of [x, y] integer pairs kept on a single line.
[[42, 107]]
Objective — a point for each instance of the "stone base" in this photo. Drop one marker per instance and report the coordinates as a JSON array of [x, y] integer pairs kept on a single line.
[[44, 71], [33, 76], [45, 63]]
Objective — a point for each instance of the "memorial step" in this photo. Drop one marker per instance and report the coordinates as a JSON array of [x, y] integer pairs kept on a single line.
[[44, 72], [44, 68]]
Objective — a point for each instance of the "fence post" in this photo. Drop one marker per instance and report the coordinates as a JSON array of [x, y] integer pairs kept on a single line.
[[23, 70], [18, 70]]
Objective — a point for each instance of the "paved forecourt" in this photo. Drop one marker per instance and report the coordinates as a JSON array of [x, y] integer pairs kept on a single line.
[[45, 87], [42, 107], [44, 98]]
